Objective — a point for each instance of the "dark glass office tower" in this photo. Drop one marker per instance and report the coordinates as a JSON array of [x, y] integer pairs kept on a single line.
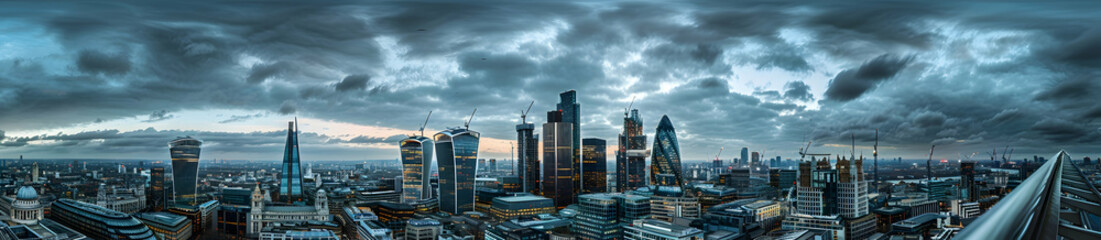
[[159, 195], [594, 162], [630, 159], [571, 113], [416, 162], [558, 172], [185, 167], [666, 158], [967, 181], [290, 179], [457, 158], [527, 163]]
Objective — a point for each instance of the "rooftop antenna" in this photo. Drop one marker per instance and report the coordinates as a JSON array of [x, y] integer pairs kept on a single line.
[[524, 114], [425, 122], [467, 124], [852, 153], [627, 110]]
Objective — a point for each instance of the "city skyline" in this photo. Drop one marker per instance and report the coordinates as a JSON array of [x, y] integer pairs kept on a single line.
[[964, 77]]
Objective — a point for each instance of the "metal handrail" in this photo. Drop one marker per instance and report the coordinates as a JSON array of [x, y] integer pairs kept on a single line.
[[1031, 211]]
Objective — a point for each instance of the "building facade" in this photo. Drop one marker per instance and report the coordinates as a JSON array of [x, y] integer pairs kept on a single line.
[[185, 167], [603, 215], [520, 206], [457, 158], [416, 162], [527, 162], [97, 222], [666, 157], [648, 229], [127, 200], [571, 113], [558, 160], [631, 155], [262, 214], [166, 226], [290, 178], [594, 165]]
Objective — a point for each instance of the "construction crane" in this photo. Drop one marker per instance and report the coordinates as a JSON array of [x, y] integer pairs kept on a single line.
[[627, 111], [1010, 155], [720, 153], [467, 124], [875, 162], [524, 113], [425, 123]]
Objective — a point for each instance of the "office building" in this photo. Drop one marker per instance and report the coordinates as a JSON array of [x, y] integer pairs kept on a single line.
[[603, 215], [492, 165], [520, 206], [416, 162], [166, 226], [668, 203], [185, 168], [527, 162], [967, 181], [782, 178], [755, 158], [513, 230], [571, 113], [594, 164], [832, 200], [457, 156], [290, 178], [34, 172], [423, 229], [126, 200], [938, 189], [714, 195], [262, 214], [631, 155], [745, 156], [649, 229], [159, 195], [558, 160], [666, 158], [97, 222]]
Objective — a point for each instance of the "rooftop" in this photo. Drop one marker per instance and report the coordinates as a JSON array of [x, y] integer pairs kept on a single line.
[[163, 218]]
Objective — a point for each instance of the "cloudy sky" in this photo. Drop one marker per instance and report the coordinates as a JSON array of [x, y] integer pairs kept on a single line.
[[97, 79]]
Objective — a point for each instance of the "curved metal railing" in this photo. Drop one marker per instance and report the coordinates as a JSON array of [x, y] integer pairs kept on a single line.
[[1031, 211]]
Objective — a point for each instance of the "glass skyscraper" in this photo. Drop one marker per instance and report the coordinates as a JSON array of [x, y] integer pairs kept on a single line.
[[527, 163], [416, 162], [558, 172], [571, 113], [666, 158], [185, 167], [631, 157], [745, 156], [594, 164], [457, 158], [290, 179]]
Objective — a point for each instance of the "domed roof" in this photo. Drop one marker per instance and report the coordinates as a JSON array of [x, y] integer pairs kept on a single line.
[[26, 193]]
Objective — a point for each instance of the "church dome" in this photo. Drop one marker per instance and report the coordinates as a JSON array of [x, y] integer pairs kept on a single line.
[[26, 193]]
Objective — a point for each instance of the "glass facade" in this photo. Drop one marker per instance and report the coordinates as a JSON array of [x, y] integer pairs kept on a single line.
[[527, 163], [416, 162], [290, 179], [185, 167], [158, 194], [458, 161], [97, 222], [558, 168], [631, 156], [594, 164], [571, 113], [604, 215], [666, 158]]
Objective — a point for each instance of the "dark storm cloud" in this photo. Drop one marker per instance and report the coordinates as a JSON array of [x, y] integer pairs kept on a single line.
[[353, 82], [91, 61], [852, 83], [158, 116], [680, 58]]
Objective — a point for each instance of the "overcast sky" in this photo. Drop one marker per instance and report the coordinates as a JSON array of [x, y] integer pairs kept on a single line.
[[100, 79]]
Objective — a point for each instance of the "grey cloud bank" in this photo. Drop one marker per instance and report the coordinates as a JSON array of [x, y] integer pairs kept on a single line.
[[761, 74]]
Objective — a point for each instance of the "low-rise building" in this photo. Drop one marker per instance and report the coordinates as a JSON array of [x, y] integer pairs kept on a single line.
[[520, 206], [166, 226], [98, 222], [649, 229], [423, 229]]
